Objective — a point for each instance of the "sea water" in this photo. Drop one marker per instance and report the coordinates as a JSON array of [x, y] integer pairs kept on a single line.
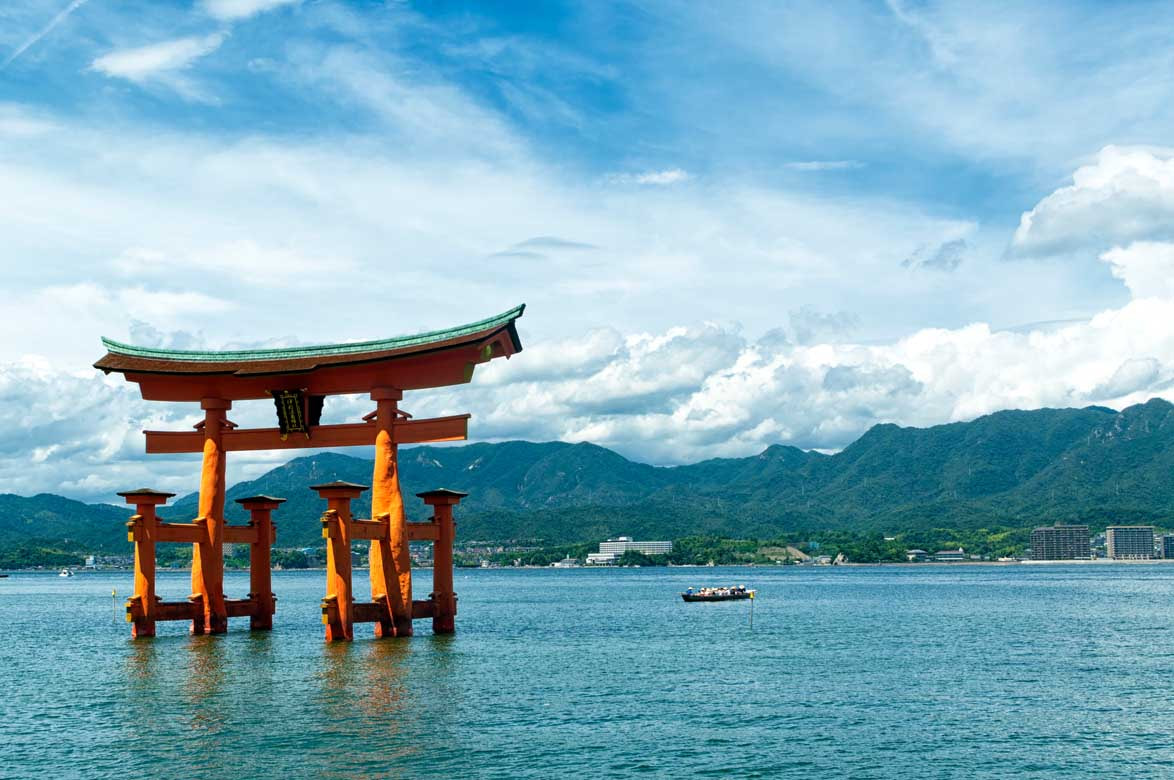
[[1028, 671]]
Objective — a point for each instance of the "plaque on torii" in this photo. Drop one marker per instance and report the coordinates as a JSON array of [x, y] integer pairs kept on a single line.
[[297, 379]]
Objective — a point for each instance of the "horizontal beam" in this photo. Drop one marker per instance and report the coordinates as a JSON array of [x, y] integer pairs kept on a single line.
[[178, 610], [423, 532], [376, 611], [240, 534], [370, 612], [369, 529], [241, 607], [423, 609], [455, 428], [180, 532]]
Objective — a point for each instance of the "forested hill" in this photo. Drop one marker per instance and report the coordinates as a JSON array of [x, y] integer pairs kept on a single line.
[[1016, 468]]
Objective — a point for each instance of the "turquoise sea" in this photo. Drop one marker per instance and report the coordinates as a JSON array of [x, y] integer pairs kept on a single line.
[[861, 672]]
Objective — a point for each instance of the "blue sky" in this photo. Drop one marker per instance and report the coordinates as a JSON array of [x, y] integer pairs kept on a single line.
[[734, 224]]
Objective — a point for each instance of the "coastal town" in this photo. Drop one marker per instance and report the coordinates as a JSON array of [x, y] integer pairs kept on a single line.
[[1055, 543]]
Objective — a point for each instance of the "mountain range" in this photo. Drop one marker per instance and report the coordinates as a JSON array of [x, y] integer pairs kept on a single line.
[[1013, 468]]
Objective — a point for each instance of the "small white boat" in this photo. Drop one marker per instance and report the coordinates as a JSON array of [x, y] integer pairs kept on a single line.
[[66, 572]]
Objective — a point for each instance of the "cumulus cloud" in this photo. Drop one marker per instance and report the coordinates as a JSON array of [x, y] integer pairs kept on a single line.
[[1126, 194], [692, 393], [1146, 267]]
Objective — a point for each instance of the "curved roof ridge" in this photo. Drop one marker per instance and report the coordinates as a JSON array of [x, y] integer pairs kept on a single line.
[[320, 350]]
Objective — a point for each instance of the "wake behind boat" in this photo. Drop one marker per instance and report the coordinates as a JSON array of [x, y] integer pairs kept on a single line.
[[732, 593]]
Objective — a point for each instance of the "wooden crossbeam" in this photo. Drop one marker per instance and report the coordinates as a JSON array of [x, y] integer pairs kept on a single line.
[[240, 534], [241, 607], [435, 429], [370, 612], [180, 532], [376, 611], [423, 532], [369, 529]]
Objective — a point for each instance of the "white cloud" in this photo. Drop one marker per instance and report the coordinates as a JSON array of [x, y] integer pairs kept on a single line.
[[691, 393], [234, 10], [157, 61], [665, 177], [1146, 267], [824, 165], [1126, 194]]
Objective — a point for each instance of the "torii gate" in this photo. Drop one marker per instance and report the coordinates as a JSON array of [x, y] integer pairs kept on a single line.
[[298, 379]]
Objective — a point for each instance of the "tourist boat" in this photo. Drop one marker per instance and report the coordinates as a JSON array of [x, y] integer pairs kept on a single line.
[[65, 573], [733, 593]]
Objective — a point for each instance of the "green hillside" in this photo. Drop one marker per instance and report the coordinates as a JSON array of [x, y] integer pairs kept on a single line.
[[1012, 468]]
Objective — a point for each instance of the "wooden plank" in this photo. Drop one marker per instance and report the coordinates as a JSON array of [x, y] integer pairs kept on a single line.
[[369, 529], [423, 609], [239, 607], [423, 532], [434, 429], [370, 612], [177, 610], [455, 428], [179, 532], [240, 534]]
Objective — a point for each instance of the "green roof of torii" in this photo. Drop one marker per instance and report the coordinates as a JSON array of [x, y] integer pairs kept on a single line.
[[324, 350]]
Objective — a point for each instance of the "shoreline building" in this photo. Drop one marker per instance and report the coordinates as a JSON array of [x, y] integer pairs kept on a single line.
[[1060, 543], [611, 550], [1168, 546], [1130, 542]]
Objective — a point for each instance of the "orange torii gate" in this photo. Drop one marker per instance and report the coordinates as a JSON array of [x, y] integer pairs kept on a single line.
[[298, 379]]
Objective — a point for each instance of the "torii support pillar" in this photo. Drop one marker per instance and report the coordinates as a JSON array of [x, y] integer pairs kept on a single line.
[[444, 600], [142, 529], [264, 533], [208, 553], [338, 606]]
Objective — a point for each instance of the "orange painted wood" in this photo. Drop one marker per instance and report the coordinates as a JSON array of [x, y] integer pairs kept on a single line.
[[208, 553], [240, 607], [337, 606], [179, 610], [436, 429], [444, 619], [189, 533], [423, 532], [369, 530], [371, 612], [390, 563], [439, 369], [261, 561], [144, 529], [240, 534], [423, 609]]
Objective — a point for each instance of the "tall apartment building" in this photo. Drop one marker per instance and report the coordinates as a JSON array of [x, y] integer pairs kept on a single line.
[[1130, 542], [613, 549], [1168, 546], [1060, 543]]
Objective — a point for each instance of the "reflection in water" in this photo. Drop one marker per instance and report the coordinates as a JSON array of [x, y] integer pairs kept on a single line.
[[203, 683], [141, 665]]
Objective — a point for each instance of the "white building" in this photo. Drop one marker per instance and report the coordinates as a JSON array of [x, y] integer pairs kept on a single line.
[[613, 549]]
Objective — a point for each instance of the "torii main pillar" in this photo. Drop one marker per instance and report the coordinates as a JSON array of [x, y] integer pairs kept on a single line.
[[208, 553], [390, 561]]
